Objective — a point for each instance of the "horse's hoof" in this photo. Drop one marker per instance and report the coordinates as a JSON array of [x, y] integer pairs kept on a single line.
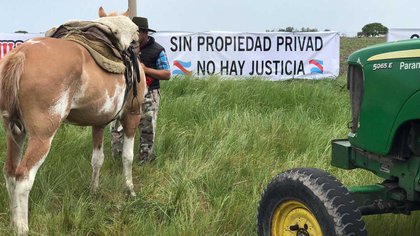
[[94, 191], [22, 230], [131, 194]]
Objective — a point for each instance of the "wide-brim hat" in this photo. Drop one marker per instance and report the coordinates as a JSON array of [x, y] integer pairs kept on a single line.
[[142, 23]]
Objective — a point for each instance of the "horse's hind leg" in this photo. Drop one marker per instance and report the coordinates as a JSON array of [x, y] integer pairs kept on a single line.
[[14, 147], [129, 123], [23, 178], [97, 155]]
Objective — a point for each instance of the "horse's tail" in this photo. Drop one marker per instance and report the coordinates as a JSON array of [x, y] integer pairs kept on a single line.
[[11, 69]]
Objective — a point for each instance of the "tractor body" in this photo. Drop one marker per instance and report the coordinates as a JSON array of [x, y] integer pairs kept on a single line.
[[384, 138], [384, 85]]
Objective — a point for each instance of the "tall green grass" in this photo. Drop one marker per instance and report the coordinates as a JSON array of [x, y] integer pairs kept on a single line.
[[219, 143]]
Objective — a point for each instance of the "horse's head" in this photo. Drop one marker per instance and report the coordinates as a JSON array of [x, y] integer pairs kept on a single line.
[[121, 25]]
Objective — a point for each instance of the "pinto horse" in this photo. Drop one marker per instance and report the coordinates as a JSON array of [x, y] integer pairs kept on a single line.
[[45, 82]]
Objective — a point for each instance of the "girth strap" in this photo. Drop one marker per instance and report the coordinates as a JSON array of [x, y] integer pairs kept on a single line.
[[131, 76]]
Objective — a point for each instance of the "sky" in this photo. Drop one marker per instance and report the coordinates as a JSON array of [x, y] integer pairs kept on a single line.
[[344, 16]]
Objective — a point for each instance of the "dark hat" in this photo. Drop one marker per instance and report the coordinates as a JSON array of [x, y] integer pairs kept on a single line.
[[142, 23]]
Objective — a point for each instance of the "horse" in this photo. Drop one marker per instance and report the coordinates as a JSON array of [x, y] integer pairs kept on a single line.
[[48, 81]]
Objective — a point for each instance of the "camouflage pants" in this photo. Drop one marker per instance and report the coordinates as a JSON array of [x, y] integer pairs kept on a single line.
[[147, 128], [117, 138]]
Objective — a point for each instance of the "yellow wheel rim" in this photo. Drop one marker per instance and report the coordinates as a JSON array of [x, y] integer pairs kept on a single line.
[[294, 218]]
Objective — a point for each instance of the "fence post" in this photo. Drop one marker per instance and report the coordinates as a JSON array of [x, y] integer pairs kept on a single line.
[[132, 6]]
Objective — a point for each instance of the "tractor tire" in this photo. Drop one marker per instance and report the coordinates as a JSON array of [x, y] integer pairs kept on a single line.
[[308, 201]]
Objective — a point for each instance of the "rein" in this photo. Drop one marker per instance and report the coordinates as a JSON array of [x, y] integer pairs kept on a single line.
[[132, 77]]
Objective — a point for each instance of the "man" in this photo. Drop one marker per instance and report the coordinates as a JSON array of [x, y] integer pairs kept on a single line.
[[156, 67]]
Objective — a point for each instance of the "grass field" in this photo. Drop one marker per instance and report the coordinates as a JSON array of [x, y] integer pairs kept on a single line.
[[219, 143]]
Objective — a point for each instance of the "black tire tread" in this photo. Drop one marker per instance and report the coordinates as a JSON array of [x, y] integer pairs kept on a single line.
[[335, 198]]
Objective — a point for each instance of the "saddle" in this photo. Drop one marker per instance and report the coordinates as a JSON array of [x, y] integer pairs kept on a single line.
[[97, 38]]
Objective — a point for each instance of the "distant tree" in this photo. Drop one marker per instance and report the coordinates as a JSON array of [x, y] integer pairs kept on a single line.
[[276, 30], [288, 29], [21, 32], [292, 29], [307, 29], [373, 30]]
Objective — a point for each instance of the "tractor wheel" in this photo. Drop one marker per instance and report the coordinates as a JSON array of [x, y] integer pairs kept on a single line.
[[308, 201]]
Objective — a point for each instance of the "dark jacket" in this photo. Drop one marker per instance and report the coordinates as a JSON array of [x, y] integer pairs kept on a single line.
[[149, 54]]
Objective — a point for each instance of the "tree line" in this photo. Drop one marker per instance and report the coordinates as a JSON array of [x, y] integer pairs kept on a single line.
[[369, 30]]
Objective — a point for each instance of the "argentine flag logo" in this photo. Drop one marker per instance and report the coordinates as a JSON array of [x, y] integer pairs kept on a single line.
[[182, 68]]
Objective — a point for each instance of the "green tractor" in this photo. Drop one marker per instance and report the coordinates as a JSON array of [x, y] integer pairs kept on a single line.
[[384, 138]]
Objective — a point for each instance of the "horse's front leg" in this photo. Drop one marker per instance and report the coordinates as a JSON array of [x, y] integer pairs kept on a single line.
[[97, 155], [129, 123]]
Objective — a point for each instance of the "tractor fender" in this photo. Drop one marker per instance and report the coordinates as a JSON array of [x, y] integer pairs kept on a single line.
[[409, 111]]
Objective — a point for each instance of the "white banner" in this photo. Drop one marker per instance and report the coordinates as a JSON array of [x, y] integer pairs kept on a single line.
[[10, 41], [402, 34], [275, 55]]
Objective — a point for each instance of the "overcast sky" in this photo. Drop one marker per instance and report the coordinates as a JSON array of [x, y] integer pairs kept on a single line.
[[344, 16]]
